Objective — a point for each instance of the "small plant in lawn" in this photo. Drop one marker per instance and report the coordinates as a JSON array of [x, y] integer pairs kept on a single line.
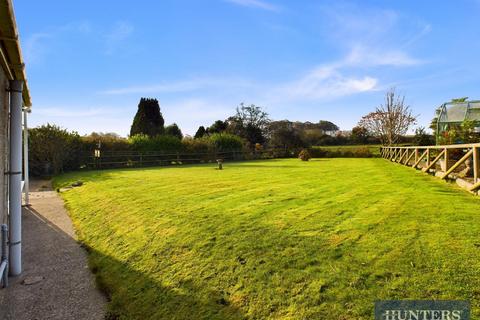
[[304, 155]]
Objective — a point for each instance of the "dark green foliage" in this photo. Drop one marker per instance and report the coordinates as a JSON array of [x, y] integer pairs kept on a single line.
[[345, 152], [359, 135], [148, 119], [217, 127], [327, 126], [174, 131], [108, 142], [200, 132], [283, 134], [160, 143], [198, 145], [422, 138], [225, 142], [251, 123], [53, 150]]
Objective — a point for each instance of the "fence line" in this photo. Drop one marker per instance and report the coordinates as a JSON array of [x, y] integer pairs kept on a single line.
[[113, 159], [459, 162]]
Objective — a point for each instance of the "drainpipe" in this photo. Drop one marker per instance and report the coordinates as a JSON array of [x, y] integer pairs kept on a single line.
[[26, 177], [4, 258], [15, 177]]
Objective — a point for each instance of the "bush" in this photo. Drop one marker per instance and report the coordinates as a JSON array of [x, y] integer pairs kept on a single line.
[[197, 145], [304, 155], [225, 142], [143, 143], [53, 150], [349, 152], [108, 142]]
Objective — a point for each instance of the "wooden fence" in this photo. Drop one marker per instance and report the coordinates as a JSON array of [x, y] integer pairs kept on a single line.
[[459, 162]]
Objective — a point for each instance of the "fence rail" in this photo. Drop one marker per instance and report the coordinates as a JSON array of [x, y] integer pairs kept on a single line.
[[121, 159], [459, 162]]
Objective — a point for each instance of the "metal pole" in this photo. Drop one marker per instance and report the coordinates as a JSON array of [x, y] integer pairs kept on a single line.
[[26, 175], [15, 174], [4, 258]]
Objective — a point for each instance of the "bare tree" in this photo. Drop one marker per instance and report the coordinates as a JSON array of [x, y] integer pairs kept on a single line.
[[391, 120]]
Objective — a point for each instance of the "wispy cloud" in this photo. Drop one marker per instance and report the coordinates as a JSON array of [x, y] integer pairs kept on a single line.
[[371, 57], [116, 37], [259, 4], [324, 82], [39, 44], [36, 47]]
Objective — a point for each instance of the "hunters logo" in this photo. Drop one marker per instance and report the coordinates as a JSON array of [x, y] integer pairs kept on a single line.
[[422, 310]]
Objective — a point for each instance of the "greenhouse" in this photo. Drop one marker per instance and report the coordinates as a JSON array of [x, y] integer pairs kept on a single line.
[[452, 114]]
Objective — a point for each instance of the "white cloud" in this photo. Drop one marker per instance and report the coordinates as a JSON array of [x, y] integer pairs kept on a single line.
[[255, 4], [325, 82], [372, 57], [36, 47], [116, 37]]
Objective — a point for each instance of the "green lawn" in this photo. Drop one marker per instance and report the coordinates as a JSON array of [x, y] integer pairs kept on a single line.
[[275, 239]]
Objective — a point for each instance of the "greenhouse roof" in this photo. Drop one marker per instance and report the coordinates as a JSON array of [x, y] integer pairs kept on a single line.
[[459, 111]]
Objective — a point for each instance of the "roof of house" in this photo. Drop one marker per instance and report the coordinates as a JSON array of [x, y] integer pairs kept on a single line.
[[10, 52]]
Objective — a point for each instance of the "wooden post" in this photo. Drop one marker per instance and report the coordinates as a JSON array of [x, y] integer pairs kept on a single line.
[[416, 155], [447, 155], [428, 157], [476, 164]]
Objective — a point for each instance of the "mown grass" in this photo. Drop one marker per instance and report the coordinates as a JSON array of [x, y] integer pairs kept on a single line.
[[276, 239]]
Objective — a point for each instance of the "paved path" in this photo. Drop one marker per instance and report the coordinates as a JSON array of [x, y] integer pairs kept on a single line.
[[56, 282]]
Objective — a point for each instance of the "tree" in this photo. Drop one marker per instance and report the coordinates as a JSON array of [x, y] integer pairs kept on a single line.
[[200, 132], [327, 126], [284, 135], [148, 119], [53, 150], [250, 122], [174, 130], [422, 138], [389, 121], [359, 135], [218, 126]]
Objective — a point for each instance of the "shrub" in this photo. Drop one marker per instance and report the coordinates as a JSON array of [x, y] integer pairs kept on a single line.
[[304, 155], [225, 142], [53, 150], [108, 142], [144, 143], [197, 145]]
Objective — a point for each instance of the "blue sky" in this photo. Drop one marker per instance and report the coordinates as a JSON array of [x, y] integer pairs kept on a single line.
[[89, 62]]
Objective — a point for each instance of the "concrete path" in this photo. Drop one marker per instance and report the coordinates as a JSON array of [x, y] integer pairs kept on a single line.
[[56, 282]]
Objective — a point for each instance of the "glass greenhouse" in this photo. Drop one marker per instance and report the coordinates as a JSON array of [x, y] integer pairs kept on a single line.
[[452, 114]]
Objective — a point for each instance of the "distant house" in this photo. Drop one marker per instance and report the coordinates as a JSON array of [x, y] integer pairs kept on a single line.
[[14, 98]]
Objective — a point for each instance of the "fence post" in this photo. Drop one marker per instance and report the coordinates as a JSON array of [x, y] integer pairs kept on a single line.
[[416, 155], [475, 164], [428, 157], [447, 155]]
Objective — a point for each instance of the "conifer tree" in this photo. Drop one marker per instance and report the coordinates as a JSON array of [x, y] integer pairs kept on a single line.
[[149, 119], [200, 132]]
